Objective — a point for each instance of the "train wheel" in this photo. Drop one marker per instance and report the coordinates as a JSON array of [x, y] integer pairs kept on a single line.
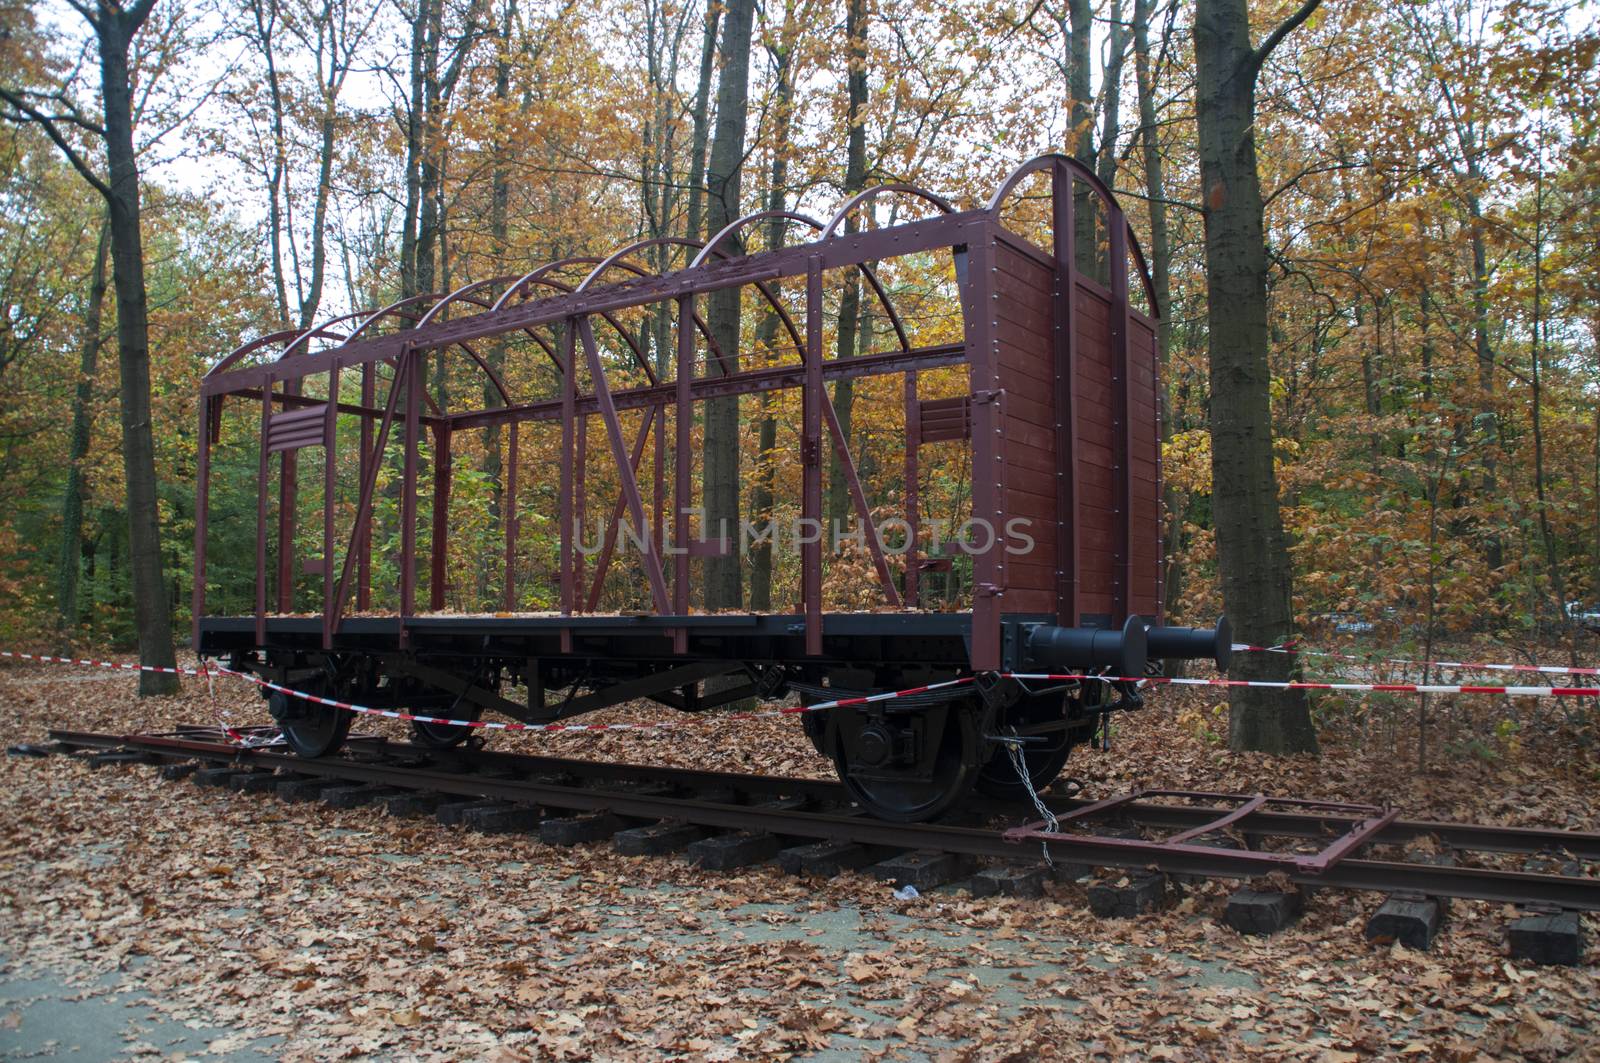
[[815, 725], [999, 778], [907, 768], [445, 735], [311, 730], [1044, 760]]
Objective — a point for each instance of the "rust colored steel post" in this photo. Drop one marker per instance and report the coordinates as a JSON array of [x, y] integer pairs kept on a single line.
[[261, 513], [1122, 377], [913, 500], [609, 546], [811, 462], [658, 497], [202, 506], [288, 502], [362, 532], [858, 497], [439, 543], [363, 547], [580, 506], [569, 397], [625, 467], [510, 519], [1063, 225], [413, 359], [683, 465], [330, 483], [988, 445]]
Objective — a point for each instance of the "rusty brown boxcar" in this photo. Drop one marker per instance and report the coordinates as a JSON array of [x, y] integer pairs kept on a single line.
[[1041, 391]]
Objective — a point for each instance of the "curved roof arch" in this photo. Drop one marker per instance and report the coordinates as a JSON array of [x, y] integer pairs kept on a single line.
[[1079, 172]]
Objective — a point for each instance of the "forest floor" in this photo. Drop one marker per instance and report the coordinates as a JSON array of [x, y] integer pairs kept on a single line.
[[150, 918]]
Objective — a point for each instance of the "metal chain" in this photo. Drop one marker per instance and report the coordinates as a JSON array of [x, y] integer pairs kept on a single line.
[[1053, 825]]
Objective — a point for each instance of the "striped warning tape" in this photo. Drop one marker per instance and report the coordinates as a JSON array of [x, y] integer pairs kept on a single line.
[[550, 728], [1361, 688], [1472, 666], [123, 666], [211, 669]]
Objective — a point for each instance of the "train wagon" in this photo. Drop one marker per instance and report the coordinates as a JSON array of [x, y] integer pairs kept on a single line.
[[515, 497]]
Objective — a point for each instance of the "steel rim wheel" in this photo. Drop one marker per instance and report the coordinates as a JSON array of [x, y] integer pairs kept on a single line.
[[445, 735], [999, 780], [311, 730], [910, 799], [1044, 761]]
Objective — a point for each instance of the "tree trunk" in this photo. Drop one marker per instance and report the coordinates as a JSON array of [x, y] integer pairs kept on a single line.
[[1552, 553], [433, 89], [1251, 547], [266, 19], [764, 494], [152, 609], [1080, 116], [428, 163], [1488, 421], [1111, 116], [855, 179], [723, 585], [82, 428], [1078, 31], [1161, 278], [413, 131], [319, 221], [499, 228], [702, 105]]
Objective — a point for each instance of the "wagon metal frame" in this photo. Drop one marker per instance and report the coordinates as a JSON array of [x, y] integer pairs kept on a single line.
[[290, 420]]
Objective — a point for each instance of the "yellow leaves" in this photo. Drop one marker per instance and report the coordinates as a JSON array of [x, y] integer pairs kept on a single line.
[[1186, 461]]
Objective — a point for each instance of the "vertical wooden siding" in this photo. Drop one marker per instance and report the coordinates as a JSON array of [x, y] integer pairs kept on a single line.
[[1023, 284], [1024, 279]]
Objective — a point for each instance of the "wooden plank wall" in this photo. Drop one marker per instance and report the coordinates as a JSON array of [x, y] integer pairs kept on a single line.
[[1146, 599], [1024, 278]]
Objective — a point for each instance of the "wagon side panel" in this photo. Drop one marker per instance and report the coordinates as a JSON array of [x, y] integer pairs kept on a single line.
[[1024, 318], [1145, 468]]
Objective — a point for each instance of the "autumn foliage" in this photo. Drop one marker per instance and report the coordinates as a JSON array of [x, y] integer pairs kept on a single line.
[[1430, 173]]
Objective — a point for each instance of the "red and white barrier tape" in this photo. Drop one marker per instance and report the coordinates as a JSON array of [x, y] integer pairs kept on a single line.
[[1472, 666], [46, 659], [210, 670], [1364, 688], [548, 728]]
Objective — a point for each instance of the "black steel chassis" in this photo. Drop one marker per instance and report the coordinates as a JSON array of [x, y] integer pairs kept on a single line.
[[614, 658]]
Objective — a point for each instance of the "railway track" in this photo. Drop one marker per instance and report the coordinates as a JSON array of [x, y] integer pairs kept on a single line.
[[811, 825]]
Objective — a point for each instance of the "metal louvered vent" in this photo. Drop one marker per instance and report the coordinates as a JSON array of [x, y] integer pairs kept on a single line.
[[944, 419], [297, 428]]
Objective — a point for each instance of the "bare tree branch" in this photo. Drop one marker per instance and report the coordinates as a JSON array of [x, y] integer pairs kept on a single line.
[[1276, 37], [27, 113]]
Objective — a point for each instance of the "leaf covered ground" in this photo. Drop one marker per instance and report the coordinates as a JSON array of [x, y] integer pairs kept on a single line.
[[343, 934]]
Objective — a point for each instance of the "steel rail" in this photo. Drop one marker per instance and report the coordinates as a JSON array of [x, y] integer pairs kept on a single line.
[[1465, 836], [1515, 887], [1266, 823]]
